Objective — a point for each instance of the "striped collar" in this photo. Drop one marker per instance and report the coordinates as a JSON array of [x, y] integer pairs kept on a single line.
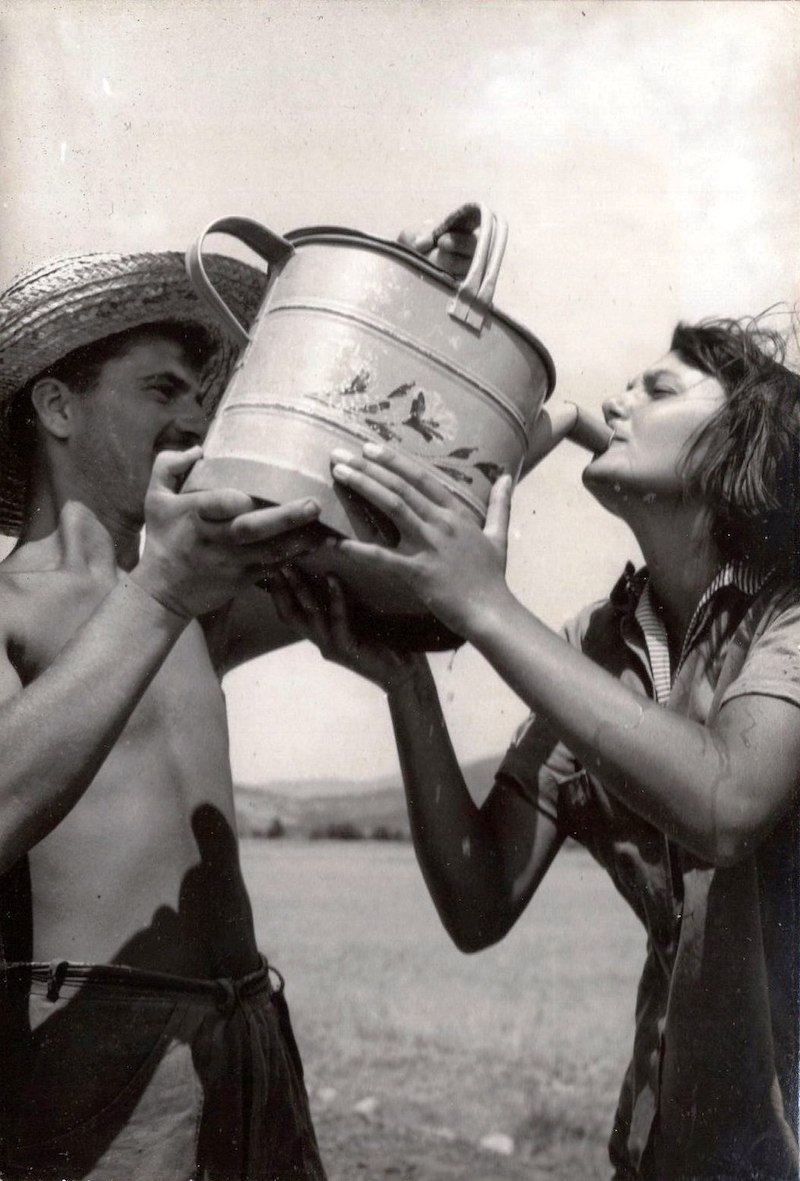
[[734, 574]]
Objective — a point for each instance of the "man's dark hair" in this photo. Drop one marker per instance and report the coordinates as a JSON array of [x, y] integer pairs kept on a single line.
[[745, 462], [81, 368]]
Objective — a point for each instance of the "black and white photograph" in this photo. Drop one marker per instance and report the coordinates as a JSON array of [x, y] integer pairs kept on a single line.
[[399, 590]]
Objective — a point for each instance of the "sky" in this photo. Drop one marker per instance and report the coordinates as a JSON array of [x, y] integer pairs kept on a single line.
[[644, 153]]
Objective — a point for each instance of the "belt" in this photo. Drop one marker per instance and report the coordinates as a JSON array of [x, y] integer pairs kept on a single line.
[[225, 991]]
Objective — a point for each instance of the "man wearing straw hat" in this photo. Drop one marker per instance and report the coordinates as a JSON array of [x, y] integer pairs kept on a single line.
[[143, 1036]]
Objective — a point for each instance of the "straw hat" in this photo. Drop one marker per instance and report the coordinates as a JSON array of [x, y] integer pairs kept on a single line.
[[72, 302]]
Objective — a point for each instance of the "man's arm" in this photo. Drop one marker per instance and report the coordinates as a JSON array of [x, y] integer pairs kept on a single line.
[[247, 627], [56, 731]]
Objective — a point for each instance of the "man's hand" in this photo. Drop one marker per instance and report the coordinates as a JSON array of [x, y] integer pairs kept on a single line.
[[202, 547], [319, 612]]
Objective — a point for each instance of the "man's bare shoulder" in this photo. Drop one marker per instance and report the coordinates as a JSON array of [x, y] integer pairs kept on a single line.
[[15, 579], [42, 604], [20, 604], [25, 573]]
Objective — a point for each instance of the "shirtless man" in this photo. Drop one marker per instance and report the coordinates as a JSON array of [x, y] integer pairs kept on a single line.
[[174, 1058], [143, 1036]]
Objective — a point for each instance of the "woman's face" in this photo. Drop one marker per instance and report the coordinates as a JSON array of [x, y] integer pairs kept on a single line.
[[654, 421]]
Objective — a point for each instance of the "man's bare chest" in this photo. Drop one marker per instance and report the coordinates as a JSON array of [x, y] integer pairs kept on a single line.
[[184, 692]]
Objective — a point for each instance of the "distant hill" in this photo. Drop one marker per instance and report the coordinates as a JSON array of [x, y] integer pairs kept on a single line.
[[305, 807]]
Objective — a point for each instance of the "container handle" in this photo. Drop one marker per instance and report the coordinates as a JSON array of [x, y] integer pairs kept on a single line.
[[270, 246], [473, 300]]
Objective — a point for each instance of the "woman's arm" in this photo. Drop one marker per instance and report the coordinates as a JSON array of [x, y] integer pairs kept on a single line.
[[481, 866], [716, 790]]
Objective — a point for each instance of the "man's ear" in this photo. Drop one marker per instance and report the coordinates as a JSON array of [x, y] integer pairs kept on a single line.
[[52, 401]]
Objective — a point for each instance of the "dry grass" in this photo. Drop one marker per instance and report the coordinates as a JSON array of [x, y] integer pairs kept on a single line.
[[529, 1038]]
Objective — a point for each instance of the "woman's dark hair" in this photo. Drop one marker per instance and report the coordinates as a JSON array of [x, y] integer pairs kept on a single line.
[[745, 462]]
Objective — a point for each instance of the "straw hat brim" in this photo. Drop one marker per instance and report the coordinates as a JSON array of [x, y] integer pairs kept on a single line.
[[73, 302]]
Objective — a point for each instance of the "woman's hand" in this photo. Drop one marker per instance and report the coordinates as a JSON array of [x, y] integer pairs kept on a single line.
[[453, 566], [318, 610]]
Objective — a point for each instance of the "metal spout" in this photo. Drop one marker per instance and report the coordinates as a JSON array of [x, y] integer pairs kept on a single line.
[[559, 420]]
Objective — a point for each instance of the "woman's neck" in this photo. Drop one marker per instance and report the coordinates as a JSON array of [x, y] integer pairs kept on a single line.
[[682, 560]]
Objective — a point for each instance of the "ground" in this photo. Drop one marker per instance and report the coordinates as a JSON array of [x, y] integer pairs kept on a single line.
[[359, 1149], [414, 1053]]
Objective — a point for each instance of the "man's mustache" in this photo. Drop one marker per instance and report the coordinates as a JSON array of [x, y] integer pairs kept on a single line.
[[178, 440]]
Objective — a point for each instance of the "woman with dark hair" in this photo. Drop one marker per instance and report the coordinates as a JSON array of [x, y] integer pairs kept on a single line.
[[750, 464], [664, 736]]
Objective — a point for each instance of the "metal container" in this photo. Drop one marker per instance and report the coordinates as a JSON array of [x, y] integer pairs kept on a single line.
[[359, 339]]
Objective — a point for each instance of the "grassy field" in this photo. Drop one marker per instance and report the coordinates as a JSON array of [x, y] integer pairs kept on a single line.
[[529, 1038]]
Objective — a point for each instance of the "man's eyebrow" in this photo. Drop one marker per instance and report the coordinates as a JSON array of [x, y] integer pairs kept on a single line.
[[165, 377]]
